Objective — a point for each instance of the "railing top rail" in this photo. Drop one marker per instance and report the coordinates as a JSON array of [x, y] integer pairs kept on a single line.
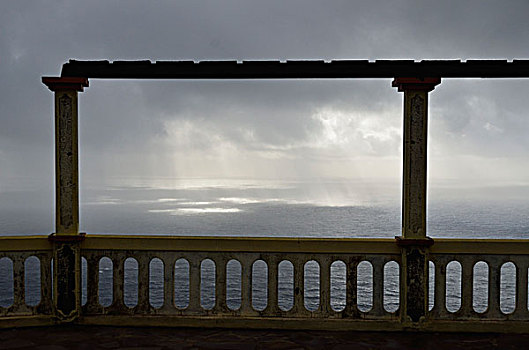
[[269, 244], [24, 243], [299, 245], [306, 69], [242, 244], [480, 246]]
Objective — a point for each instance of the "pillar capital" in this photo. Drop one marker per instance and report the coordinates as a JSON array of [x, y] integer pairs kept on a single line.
[[65, 83], [422, 84]]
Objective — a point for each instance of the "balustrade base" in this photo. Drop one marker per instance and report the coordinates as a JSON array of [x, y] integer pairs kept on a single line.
[[280, 323], [451, 326]]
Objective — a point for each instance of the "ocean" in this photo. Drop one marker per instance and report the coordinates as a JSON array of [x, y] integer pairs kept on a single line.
[[271, 208]]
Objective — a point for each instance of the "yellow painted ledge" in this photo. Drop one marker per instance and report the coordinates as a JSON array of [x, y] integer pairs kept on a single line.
[[241, 244], [24, 243], [480, 246], [268, 244]]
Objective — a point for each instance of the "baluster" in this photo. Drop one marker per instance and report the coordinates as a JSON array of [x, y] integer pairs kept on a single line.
[[325, 285], [92, 282], [143, 283], [521, 289], [439, 307], [4, 310], [272, 307], [299, 287], [168, 284], [118, 279], [466, 285], [351, 296], [194, 284], [45, 306], [19, 299], [246, 284], [378, 287], [494, 289], [220, 284]]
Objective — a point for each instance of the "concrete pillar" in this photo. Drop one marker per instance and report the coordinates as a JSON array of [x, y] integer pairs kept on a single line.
[[66, 239], [414, 243], [66, 153]]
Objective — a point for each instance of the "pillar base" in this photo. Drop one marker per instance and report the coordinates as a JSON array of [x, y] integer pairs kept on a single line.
[[414, 279], [67, 276]]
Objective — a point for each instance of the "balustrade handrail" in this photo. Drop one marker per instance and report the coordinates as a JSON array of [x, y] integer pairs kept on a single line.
[[268, 244], [24, 243], [242, 244]]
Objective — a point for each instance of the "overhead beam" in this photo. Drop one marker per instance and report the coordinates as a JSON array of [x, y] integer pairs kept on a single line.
[[338, 69]]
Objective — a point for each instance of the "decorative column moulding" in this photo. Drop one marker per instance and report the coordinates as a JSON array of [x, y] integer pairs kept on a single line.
[[422, 84], [66, 83]]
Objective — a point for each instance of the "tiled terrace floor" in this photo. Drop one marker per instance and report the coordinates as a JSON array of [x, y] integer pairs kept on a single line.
[[93, 337]]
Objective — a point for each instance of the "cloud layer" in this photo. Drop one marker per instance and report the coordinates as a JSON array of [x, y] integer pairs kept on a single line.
[[262, 128]]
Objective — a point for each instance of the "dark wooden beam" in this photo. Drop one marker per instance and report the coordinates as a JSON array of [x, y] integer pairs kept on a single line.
[[341, 69]]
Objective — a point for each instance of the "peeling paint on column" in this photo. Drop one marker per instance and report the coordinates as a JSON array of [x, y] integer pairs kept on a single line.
[[66, 161], [416, 206]]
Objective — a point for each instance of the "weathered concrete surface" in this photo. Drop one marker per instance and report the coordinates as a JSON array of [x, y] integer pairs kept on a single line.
[[96, 337]]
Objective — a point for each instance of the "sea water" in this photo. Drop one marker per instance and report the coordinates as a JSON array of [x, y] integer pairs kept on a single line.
[[269, 209]]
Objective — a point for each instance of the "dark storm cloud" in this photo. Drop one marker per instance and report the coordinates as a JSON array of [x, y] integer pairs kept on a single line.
[[262, 106], [127, 119]]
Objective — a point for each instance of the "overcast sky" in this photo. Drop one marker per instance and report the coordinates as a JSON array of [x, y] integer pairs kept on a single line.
[[262, 129]]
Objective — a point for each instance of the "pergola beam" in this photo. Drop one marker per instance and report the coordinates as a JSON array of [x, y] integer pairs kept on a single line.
[[337, 69]]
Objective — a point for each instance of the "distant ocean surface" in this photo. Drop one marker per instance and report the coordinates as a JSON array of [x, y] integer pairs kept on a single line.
[[235, 207], [270, 208]]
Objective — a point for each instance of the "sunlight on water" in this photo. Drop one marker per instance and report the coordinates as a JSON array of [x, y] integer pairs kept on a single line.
[[183, 211]]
